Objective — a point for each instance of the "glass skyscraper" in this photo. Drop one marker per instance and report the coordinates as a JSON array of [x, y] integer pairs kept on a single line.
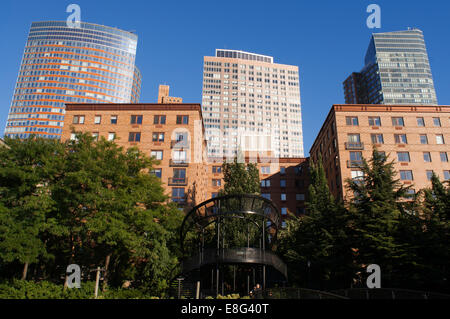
[[62, 64], [396, 71]]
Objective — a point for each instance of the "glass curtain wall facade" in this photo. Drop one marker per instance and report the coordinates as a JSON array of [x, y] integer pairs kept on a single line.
[[250, 103], [397, 72], [61, 64]]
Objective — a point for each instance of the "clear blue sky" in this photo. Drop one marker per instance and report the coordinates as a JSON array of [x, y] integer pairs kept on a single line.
[[326, 39]]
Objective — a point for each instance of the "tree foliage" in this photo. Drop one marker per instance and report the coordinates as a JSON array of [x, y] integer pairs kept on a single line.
[[86, 202]]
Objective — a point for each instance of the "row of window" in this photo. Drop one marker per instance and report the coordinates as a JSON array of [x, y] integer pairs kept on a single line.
[[356, 156], [134, 119], [396, 121], [399, 138]]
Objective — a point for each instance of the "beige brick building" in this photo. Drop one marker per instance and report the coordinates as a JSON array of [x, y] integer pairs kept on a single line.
[[285, 181], [172, 133], [163, 95], [416, 138], [246, 96]]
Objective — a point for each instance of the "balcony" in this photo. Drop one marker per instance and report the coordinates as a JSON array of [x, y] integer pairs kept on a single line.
[[354, 146], [354, 163], [180, 144], [178, 163], [178, 181]]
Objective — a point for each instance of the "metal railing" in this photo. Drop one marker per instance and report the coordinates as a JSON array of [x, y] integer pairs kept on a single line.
[[179, 144], [178, 163], [295, 293], [389, 293], [354, 146], [181, 181], [354, 163]]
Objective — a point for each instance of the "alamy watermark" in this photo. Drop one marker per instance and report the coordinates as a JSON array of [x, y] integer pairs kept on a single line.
[[374, 20], [374, 279], [74, 19]]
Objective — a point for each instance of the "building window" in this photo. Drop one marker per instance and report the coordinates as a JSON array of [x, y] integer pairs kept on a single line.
[[446, 175], [113, 119], [406, 175], [159, 119], [157, 154], [429, 175], [178, 195], [377, 138], [356, 156], [357, 175], [403, 156], [351, 120], [73, 136], [400, 139], [374, 121], [282, 170], [182, 119], [444, 157], [398, 121], [423, 139], [283, 210], [265, 195], [134, 137], [97, 119], [353, 138], [282, 183], [136, 119], [265, 169], [158, 137], [410, 193], [157, 172], [217, 169], [427, 157], [265, 183], [300, 196], [420, 122], [95, 136], [78, 119], [216, 182], [437, 121], [180, 156], [300, 210], [111, 136], [298, 170], [283, 197], [440, 139]]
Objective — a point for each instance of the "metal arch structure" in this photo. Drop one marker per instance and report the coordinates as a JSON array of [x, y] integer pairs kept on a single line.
[[238, 231]]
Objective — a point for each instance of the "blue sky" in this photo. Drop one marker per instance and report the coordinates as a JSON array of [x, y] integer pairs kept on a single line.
[[326, 39]]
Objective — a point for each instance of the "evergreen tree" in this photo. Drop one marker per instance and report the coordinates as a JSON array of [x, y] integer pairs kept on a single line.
[[376, 208], [317, 246]]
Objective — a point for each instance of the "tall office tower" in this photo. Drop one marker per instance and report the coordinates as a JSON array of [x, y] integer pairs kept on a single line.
[[396, 71], [86, 64], [251, 103]]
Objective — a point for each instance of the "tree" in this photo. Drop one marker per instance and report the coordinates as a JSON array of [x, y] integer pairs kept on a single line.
[[432, 242], [317, 245], [114, 211], [25, 201], [240, 178], [377, 207]]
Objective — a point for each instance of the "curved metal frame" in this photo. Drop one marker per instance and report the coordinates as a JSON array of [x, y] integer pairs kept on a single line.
[[198, 218], [214, 211]]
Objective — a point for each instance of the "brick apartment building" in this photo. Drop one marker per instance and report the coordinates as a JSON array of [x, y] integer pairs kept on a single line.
[[417, 138], [174, 135]]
